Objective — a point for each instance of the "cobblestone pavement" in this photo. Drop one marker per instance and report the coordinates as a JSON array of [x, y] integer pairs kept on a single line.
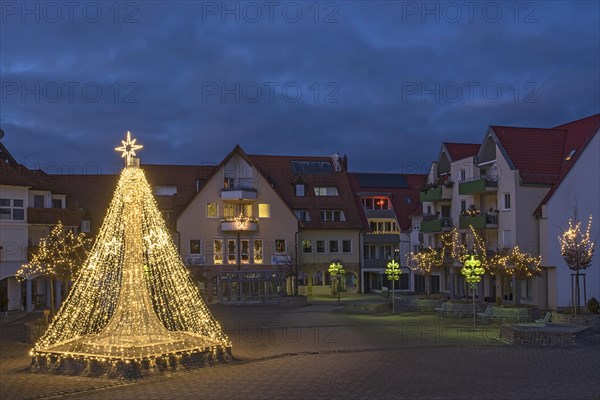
[[317, 352]]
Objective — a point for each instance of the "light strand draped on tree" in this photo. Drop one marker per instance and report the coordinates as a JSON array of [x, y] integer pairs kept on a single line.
[[134, 298], [577, 249], [59, 256]]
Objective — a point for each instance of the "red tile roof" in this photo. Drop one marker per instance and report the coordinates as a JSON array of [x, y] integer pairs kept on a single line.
[[577, 136], [279, 172], [94, 192], [459, 151], [19, 175], [539, 153], [402, 209], [535, 152]]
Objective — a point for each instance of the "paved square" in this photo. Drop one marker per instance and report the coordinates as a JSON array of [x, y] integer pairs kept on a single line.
[[320, 352]]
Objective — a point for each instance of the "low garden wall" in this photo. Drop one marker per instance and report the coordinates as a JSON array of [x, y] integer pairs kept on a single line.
[[592, 320], [548, 335]]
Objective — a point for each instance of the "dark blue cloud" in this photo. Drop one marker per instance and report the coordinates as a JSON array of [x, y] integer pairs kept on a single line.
[[384, 82]]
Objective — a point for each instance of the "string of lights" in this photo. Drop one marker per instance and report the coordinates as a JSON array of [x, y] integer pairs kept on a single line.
[[134, 299]]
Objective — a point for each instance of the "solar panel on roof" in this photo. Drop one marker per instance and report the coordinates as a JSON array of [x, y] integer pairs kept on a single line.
[[311, 167], [382, 180]]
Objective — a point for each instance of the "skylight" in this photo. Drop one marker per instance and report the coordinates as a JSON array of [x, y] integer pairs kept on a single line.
[[570, 155]]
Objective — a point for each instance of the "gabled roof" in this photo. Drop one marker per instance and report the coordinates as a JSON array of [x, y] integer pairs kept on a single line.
[[94, 192], [19, 175], [540, 153], [579, 133], [459, 151], [409, 185], [535, 152], [283, 171]]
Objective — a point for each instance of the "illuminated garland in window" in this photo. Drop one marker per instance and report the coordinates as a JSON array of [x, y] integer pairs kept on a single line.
[[134, 299]]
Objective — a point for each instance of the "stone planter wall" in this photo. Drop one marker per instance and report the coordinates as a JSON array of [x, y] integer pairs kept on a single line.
[[592, 320], [292, 301], [513, 335], [33, 332]]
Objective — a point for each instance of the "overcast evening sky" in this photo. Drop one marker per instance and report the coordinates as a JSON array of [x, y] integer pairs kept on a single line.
[[383, 82]]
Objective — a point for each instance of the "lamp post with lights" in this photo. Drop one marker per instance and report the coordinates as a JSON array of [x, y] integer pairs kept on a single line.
[[472, 272], [393, 272], [336, 269]]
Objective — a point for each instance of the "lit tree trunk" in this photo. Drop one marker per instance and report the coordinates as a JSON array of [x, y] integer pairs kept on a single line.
[[577, 291], [52, 307]]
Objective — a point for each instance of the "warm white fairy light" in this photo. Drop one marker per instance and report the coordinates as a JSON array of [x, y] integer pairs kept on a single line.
[[128, 148], [577, 246], [134, 299]]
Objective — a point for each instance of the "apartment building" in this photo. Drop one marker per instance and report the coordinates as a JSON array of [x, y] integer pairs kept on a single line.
[[237, 234], [443, 206], [31, 203], [387, 202], [317, 190], [496, 187], [574, 196]]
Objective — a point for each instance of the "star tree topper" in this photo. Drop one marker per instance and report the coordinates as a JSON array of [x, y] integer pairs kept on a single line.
[[129, 147]]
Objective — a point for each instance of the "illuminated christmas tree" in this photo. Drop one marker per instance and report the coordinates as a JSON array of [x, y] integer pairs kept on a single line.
[[133, 305]]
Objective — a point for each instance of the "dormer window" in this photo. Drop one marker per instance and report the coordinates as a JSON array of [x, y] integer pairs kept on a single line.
[[300, 189], [326, 191], [570, 155]]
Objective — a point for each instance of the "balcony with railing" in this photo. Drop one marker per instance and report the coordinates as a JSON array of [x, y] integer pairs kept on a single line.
[[433, 224], [241, 193], [478, 220], [239, 224], [51, 216], [435, 193], [479, 185], [195, 260]]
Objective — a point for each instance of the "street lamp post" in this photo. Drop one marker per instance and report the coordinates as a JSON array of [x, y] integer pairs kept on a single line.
[[336, 269], [472, 271], [393, 272]]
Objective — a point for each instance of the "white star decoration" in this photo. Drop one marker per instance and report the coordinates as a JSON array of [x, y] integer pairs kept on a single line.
[[156, 240], [129, 147], [112, 246]]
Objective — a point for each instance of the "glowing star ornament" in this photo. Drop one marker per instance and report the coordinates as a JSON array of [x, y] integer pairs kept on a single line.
[[133, 308], [128, 148]]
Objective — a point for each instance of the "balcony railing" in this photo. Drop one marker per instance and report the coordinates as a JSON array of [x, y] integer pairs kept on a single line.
[[195, 260], [478, 185], [238, 193], [280, 259], [436, 224], [51, 216], [479, 221], [239, 226], [435, 193]]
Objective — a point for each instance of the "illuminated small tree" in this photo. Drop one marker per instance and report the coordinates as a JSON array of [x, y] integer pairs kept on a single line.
[[521, 266], [424, 262], [59, 256], [577, 248]]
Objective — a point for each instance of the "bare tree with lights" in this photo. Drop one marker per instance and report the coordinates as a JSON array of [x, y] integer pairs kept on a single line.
[[424, 262], [59, 256], [577, 249]]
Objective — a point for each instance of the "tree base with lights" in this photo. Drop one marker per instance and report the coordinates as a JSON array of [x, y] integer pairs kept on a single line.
[[133, 309]]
